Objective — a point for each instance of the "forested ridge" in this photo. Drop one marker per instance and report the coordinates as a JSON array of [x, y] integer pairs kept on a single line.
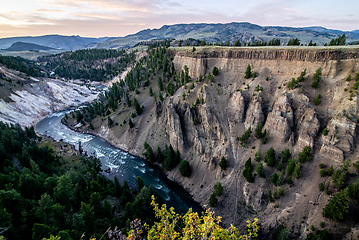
[[23, 65], [88, 64], [156, 65]]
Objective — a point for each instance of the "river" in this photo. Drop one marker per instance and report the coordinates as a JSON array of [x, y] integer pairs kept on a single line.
[[122, 164]]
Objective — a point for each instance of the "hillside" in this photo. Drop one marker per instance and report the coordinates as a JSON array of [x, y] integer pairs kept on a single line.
[[27, 99], [206, 118], [243, 31], [21, 46], [53, 41]]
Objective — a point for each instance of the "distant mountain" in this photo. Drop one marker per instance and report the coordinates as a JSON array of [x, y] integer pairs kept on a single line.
[[21, 46], [244, 31], [53, 41]]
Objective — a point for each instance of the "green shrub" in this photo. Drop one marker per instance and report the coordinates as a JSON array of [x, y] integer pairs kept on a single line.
[[325, 131], [213, 201], [257, 157], [260, 169], [215, 71], [297, 173], [258, 133], [306, 154], [337, 206], [330, 171], [290, 181], [130, 123], [273, 178], [316, 78], [285, 155], [317, 99], [218, 189], [321, 186], [185, 168], [326, 188], [322, 172], [246, 135], [290, 166], [223, 163], [265, 137], [247, 172]]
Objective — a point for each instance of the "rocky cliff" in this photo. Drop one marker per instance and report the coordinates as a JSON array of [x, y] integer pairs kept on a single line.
[[232, 104]]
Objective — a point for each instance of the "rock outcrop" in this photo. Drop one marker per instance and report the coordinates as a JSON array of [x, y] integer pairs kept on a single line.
[[174, 127], [254, 114], [307, 127], [279, 122], [340, 139]]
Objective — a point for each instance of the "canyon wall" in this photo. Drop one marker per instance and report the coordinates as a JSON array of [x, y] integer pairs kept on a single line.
[[231, 105]]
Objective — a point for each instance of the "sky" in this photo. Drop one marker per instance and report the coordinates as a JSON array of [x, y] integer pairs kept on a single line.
[[116, 18]]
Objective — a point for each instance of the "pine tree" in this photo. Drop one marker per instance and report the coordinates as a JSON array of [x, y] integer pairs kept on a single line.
[[248, 72], [337, 206], [130, 123]]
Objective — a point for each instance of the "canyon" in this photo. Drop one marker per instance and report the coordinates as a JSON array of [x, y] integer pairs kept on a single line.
[[231, 105]]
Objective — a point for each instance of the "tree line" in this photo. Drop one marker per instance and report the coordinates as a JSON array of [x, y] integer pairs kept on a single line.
[[43, 193], [88, 64], [22, 65]]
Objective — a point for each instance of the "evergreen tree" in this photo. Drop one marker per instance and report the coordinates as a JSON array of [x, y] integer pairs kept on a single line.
[[130, 123], [223, 163], [138, 108], [265, 137], [218, 189], [215, 71], [185, 168], [160, 157], [337, 206], [260, 169], [306, 154], [248, 72], [259, 133], [270, 157], [148, 154], [213, 201]]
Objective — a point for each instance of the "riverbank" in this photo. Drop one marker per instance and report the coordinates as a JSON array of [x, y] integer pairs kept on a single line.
[[124, 165]]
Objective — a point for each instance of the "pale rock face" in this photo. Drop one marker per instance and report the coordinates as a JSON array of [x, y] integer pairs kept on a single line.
[[307, 127], [332, 152], [237, 105], [192, 133], [42, 98], [280, 120], [254, 114], [340, 139], [254, 197], [210, 123], [174, 130]]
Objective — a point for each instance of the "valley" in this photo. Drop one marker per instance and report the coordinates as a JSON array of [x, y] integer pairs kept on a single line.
[[207, 114], [275, 126]]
